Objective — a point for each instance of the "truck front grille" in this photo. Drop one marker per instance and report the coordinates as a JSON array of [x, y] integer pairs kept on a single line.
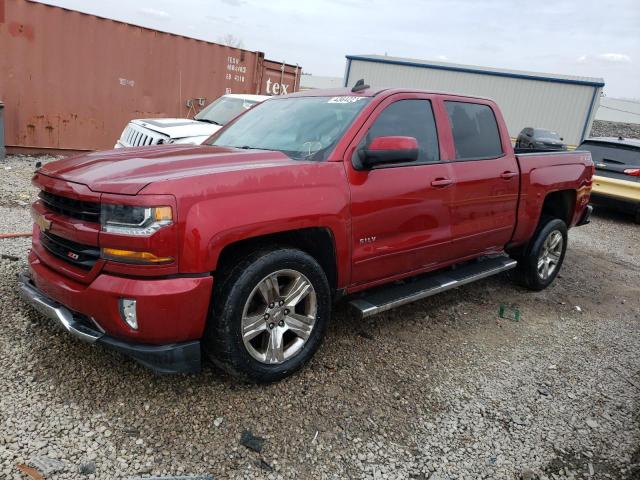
[[135, 136], [84, 256], [79, 209]]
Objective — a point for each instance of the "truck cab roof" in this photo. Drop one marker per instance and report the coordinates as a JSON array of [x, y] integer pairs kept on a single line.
[[373, 92]]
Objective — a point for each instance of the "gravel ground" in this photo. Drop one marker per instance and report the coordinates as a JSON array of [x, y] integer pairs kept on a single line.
[[440, 389], [602, 128]]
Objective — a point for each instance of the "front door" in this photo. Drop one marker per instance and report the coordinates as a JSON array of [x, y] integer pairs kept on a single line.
[[400, 212]]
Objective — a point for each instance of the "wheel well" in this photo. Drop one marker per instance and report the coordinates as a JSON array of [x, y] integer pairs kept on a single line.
[[560, 205], [317, 242]]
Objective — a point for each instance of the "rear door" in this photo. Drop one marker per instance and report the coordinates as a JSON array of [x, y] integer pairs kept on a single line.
[[486, 179], [400, 212]]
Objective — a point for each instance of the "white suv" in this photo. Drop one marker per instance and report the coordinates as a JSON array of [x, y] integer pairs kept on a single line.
[[156, 131]]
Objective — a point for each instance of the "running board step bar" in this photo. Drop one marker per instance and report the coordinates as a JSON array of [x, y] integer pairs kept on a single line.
[[381, 299]]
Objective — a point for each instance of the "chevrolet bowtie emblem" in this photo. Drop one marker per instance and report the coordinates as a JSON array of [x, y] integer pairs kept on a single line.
[[42, 222]]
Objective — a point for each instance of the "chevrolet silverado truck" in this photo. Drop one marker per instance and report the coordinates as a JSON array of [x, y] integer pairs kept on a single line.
[[237, 249]]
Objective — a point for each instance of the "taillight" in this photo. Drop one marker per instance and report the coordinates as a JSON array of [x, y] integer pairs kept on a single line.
[[634, 172]]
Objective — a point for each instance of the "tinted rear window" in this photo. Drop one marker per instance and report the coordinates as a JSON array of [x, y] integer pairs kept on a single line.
[[601, 153], [475, 131]]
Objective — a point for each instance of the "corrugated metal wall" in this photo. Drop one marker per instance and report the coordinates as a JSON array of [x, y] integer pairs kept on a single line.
[[562, 107], [619, 110], [72, 81]]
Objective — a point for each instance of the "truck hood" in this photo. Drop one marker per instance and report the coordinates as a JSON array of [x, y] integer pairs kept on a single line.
[[127, 171], [178, 127]]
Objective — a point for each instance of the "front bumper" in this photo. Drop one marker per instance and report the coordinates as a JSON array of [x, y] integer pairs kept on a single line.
[[170, 309], [181, 357]]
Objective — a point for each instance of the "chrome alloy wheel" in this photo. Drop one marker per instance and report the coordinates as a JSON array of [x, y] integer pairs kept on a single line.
[[550, 254], [278, 316]]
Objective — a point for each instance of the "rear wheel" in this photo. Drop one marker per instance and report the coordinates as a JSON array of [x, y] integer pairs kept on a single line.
[[270, 313], [542, 260]]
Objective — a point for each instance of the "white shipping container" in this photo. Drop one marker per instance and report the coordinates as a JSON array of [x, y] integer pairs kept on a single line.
[[563, 103]]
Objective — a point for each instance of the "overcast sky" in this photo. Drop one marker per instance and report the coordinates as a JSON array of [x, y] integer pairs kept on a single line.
[[578, 37]]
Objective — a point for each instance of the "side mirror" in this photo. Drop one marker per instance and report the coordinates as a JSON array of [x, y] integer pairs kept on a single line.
[[385, 150]]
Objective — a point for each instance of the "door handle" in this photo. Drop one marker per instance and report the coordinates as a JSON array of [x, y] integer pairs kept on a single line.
[[508, 175], [441, 182]]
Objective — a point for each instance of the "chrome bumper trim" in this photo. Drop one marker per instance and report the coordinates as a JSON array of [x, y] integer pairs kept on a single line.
[[53, 310]]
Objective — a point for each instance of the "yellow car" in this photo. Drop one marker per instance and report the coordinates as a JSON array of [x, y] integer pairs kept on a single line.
[[616, 182]]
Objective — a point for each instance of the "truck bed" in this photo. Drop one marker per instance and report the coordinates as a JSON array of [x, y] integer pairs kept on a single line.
[[540, 172]]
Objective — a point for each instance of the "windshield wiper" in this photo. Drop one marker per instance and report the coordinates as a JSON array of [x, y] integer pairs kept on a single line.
[[247, 147], [209, 121]]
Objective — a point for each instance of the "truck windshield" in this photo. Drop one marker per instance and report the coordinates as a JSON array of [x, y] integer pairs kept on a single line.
[[303, 128], [223, 110]]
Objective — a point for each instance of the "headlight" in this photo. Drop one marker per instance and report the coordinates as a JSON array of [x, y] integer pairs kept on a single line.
[[131, 220]]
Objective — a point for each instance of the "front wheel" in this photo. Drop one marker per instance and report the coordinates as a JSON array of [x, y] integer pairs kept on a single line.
[[269, 315], [542, 261]]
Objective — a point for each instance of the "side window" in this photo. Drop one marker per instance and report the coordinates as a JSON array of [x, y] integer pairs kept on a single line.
[[475, 131], [409, 118]]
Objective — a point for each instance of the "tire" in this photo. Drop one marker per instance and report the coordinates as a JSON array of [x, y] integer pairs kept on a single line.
[[549, 231], [271, 350]]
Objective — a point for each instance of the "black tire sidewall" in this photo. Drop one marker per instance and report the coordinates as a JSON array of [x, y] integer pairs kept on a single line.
[[227, 347], [532, 278]]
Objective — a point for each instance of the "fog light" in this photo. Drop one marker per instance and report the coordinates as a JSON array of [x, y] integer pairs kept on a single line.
[[128, 312]]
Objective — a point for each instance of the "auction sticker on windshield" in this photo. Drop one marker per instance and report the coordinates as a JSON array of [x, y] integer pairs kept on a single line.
[[345, 99]]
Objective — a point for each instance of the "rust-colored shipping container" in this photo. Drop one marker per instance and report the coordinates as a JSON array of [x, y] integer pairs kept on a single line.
[[279, 78], [72, 81]]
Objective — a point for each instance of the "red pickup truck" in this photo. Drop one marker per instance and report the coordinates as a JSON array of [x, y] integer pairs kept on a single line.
[[239, 248]]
